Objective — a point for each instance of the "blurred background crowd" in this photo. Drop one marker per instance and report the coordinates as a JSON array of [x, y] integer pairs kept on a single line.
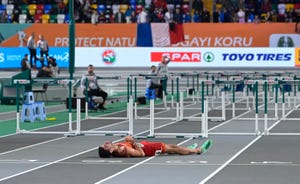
[[141, 11]]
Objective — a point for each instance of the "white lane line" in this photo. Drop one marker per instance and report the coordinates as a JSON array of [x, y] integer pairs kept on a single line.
[[17, 161], [228, 161], [102, 161], [30, 146], [42, 166], [135, 165], [124, 170], [269, 162]]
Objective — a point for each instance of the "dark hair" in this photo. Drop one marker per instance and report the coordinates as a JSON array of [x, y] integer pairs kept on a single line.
[[103, 153]]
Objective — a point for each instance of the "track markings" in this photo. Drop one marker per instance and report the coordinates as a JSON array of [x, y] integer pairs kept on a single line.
[[270, 162]]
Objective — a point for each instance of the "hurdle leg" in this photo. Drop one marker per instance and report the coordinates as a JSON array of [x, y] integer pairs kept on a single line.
[[181, 115], [78, 116], [151, 134]]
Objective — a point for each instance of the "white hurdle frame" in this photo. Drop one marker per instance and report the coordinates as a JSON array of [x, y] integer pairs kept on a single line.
[[60, 81], [202, 133], [102, 117], [180, 100], [223, 105], [106, 132]]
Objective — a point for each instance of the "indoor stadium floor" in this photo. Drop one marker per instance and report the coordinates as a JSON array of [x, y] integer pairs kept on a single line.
[[240, 153]]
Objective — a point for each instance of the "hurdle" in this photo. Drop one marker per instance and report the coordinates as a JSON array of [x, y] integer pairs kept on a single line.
[[105, 132], [54, 81], [266, 99], [203, 126], [204, 83], [164, 97], [282, 83], [128, 81]]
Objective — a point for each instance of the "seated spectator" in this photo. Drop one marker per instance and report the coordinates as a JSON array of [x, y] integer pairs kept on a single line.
[[251, 15], [53, 65], [89, 81], [128, 14], [227, 15], [198, 5], [133, 18], [143, 16], [108, 16], [16, 13], [95, 18], [157, 15], [186, 17], [169, 15], [25, 65], [256, 19], [241, 16], [205, 15], [177, 16], [197, 16], [3, 17], [268, 17], [62, 7], [119, 17], [216, 16], [281, 12], [101, 18], [45, 71]]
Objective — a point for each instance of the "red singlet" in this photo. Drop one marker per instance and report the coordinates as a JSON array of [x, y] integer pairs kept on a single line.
[[151, 148]]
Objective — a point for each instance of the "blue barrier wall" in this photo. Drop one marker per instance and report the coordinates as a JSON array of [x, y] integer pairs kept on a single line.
[[11, 57]]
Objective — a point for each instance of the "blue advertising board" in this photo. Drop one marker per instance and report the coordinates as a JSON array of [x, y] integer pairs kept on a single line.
[[11, 57]]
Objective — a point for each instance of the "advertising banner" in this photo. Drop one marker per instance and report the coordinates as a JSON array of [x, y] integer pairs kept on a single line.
[[188, 57], [11, 57], [195, 35], [180, 57]]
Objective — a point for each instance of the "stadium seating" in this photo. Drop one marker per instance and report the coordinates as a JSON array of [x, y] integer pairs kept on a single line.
[[40, 9], [9, 9], [45, 18], [123, 8], [2, 8], [4, 2], [61, 18], [38, 18], [47, 8], [94, 6], [32, 9], [101, 8], [115, 8], [289, 6], [22, 18], [24, 9], [37, 12], [53, 18]]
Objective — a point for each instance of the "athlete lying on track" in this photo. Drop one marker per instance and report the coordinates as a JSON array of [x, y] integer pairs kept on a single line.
[[131, 148]]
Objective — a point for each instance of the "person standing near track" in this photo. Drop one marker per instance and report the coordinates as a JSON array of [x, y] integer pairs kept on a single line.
[[162, 70], [153, 83], [32, 50], [44, 48], [131, 148], [93, 88]]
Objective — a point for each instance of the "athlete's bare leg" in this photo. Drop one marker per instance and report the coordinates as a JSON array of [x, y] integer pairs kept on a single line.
[[175, 149]]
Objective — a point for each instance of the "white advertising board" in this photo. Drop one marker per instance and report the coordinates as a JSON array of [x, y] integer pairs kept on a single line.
[[186, 57]]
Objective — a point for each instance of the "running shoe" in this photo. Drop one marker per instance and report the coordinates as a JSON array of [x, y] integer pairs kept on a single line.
[[193, 146], [206, 145]]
